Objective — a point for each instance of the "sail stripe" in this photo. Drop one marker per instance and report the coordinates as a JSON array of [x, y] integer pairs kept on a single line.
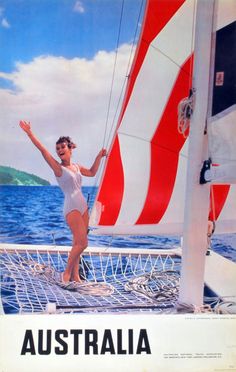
[[112, 196], [158, 13], [219, 195], [165, 147]]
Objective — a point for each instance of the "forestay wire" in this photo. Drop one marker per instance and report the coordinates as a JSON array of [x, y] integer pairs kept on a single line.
[[127, 72], [113, 73], [107, 138]]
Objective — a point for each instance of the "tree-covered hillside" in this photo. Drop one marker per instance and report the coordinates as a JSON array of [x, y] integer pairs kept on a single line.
[[11, 176]]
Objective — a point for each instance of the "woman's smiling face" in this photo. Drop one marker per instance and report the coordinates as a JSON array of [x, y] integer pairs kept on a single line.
[[63, 151]]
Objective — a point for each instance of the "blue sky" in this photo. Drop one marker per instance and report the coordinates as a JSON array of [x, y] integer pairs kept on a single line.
[[56, 65], [66, 28]]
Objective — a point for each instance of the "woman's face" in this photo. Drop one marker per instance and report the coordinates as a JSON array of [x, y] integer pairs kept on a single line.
[[63, 151]]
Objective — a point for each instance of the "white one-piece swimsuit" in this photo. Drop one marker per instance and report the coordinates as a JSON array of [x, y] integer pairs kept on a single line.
[[70, 183]]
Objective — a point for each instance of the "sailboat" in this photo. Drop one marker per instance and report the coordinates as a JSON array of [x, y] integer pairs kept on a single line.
[[152, 184], [165, 174]]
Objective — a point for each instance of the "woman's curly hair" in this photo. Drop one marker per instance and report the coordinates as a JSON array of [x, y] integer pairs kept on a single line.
[[68, 141]]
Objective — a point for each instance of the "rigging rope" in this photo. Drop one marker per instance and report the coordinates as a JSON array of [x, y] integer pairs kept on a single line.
[[161, 287], [106, 142], [109, 100], [185, 110], [127, 70], [113, 73]]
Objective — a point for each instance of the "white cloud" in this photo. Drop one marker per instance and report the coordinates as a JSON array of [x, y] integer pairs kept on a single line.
[[5, 23], [60, 97], [78, 7]]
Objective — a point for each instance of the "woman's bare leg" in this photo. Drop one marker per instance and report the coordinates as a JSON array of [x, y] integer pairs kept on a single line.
[[75, 272], [80, 241]]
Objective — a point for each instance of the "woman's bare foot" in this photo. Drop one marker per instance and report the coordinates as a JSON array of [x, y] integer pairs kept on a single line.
[[71, 277], [65, 277], [76, 279]]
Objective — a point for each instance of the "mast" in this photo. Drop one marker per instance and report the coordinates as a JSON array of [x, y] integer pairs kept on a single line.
[[197, 196]]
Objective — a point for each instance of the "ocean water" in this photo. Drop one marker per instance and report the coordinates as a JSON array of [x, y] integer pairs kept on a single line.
[[33, 215]]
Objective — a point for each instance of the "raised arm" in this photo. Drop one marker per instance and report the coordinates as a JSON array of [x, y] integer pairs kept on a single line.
[[91, 172], [53, 163]]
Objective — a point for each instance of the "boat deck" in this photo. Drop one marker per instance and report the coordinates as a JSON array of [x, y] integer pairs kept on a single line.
[[115, 280], [139, 269]]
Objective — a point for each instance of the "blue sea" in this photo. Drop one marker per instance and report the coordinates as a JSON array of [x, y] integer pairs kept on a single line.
[[33, 215]]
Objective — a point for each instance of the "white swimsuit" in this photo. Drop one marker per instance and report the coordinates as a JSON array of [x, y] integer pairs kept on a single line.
[[70, 183]]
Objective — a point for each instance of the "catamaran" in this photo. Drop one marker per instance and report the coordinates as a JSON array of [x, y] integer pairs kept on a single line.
[[170, 169]]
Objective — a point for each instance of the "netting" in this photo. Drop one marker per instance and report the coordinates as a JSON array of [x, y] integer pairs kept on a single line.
[[111, 283]]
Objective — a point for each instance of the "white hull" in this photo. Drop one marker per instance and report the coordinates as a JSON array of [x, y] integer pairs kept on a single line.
[[90, 249]]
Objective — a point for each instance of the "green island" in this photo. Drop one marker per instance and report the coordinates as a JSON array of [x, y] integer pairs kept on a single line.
[[12, 176]]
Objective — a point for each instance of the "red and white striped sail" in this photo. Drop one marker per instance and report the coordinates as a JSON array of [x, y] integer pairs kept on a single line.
[[143, 185]]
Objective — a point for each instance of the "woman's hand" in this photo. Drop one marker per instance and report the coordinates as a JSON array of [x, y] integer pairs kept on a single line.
[[56, 167], [102, 153], [25, 126]]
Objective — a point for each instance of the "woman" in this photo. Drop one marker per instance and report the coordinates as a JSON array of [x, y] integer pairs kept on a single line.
[[69, 177]]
